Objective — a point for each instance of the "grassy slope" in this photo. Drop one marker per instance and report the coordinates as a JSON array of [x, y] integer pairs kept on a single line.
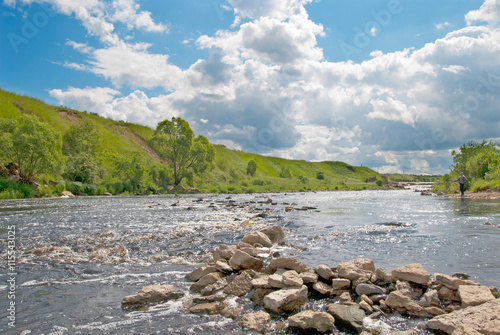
[[122, 138]]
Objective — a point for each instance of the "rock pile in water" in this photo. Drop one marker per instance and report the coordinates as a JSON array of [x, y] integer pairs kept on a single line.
[[356, 293]]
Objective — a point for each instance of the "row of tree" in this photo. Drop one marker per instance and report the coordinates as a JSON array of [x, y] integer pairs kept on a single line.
[[80, 156]]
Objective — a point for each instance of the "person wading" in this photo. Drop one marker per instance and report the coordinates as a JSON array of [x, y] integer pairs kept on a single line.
[[462, 180]]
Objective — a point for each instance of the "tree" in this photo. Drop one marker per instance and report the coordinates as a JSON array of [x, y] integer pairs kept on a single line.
[[251, 168], [81, 143], [34, 145], [174, 141]]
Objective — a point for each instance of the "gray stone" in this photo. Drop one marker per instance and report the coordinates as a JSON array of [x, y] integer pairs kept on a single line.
[[349, 317], [287, 299], [369, 289], [320, 321], [483, 319]]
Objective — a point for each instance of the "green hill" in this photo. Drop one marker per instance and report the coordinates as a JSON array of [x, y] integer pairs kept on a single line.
[[121, 140]]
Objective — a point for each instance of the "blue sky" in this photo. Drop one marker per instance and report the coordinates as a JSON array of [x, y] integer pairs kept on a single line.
[[394, 85]]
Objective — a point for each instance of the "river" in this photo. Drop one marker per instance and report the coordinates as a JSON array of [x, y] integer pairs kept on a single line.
[[75, 259]]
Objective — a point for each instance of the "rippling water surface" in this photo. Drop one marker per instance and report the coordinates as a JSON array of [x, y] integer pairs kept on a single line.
[[77, 258]]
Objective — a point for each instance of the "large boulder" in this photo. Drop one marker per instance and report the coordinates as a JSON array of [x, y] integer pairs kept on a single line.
[[290, 263], [287, 299], [320, 321], [341, 284], [292, 278], [414, 273], [483, 319], [152, 294], [358, 263], [309, 277], [275, 233], [241, 260], [255, 321], [257, 237], [240, 285], [474, 295], [348, 316]]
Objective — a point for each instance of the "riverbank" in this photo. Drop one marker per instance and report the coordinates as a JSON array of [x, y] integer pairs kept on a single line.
[[490, 194]]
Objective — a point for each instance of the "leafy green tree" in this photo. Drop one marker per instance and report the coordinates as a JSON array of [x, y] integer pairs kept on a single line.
[[34, 145], [320, 175], [251, 168], [134, 169], [285, 172], [81, 144], [175, 142], [81, 139]]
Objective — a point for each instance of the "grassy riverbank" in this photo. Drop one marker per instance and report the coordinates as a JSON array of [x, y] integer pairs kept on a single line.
[[123, 162]]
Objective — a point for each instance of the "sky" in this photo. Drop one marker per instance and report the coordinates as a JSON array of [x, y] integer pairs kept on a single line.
[[394, 85]]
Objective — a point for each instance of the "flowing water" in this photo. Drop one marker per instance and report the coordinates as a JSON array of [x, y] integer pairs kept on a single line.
[[77, 258]]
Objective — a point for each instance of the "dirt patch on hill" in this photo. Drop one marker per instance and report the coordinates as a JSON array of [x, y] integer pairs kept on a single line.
[[70, 116]]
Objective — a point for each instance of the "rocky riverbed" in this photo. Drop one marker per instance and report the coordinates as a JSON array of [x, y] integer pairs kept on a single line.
[[252, 285]]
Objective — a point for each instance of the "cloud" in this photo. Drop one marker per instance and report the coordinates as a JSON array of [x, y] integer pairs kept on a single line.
[[265, 87], [489, 12], [442, 25]]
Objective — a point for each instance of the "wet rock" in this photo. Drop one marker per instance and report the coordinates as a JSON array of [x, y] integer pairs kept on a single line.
[[430, 298], [217, 286], [152, 294], [383, 276], [209, 298], [257, 237], [206, 280], [320, 321], [343, 298], [291, 278], [322, 288], [290, 263], [448, 294], [405, 288], [241, 260], [414, 273], [483, 319], [287, 299], [275, 233], [207, 308], [451, 282], [223, 267], [354, 274], [196, 274], [240, 286], [224, 252], [403, 304], [255, 321], [369, 289], [309, 277], [231, 309], [404, 332], [474, 295], [349, 317], [341, 284], [325, 272], [358, 263], [289, 208]]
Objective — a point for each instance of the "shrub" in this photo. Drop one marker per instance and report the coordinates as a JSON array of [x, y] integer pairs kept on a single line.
[[320, 176], [258, 182]]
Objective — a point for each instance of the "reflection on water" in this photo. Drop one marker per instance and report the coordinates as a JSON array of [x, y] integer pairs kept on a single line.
[[77, 258]]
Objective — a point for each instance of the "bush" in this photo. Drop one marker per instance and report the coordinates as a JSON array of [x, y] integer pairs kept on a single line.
[[258, 182], [320, 175], [10, 189]]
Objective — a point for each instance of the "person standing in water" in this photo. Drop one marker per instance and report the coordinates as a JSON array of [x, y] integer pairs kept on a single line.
[[462, 180]]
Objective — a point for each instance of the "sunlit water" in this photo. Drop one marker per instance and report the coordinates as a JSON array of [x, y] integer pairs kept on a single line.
[[77, 258]]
